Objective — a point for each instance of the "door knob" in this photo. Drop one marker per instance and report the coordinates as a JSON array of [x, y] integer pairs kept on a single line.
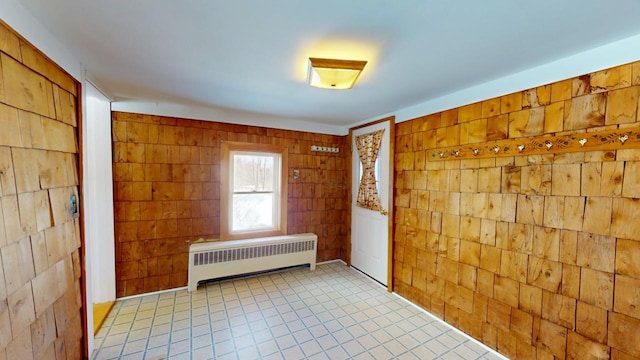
[[384, 212]]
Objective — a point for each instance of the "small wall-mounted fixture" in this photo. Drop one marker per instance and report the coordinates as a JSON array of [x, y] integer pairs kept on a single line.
[[74, 209], [333, 73], [325, 149]]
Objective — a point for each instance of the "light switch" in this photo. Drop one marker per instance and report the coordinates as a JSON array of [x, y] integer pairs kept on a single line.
[[74, 210]]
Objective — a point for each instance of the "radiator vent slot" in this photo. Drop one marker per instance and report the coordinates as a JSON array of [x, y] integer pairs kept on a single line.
[[227, 255]]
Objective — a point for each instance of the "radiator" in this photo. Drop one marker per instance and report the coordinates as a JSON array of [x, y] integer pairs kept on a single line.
[[216, 259]]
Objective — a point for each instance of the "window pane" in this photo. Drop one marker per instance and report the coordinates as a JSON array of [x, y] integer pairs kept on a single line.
[[376, 173], [254, 183], [252, 212], [252, 173]]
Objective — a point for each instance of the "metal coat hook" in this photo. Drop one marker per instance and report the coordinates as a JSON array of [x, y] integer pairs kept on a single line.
[[623, 138]]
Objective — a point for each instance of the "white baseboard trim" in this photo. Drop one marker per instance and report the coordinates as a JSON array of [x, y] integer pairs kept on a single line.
[[151, 293], [331, 261]]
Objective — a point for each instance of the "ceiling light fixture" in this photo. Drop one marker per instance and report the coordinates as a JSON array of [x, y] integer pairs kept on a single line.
[[333, 73]]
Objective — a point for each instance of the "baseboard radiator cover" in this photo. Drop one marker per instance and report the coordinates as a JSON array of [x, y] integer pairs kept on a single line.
[[217, 259]]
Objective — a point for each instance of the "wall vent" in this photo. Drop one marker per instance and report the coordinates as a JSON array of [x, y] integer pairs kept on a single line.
[[220, 256], [217, 259]]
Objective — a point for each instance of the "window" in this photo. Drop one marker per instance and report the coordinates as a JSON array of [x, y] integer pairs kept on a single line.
[[377, 173], [254, 190]]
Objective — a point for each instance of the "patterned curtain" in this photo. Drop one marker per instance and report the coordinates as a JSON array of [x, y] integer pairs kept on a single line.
[[368, 146]]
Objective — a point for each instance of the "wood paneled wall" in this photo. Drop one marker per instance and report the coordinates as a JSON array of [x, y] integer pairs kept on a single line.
[[40, 265], [167, 193], [536, 256]]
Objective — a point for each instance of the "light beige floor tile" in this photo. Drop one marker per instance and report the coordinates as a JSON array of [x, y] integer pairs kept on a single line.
[[333, 312]]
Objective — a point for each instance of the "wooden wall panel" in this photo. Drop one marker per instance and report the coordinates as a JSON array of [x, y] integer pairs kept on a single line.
[[40, 269], [552, 237], [167, 193]]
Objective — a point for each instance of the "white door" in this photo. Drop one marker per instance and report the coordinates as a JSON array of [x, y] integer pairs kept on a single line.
[[369, 228]]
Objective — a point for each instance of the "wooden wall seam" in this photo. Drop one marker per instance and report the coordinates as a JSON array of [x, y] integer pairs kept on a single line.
[[41, 272], [167, 192], [529, 252]]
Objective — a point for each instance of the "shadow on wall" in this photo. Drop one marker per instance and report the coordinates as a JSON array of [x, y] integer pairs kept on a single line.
[[167, 193], [525, 250]]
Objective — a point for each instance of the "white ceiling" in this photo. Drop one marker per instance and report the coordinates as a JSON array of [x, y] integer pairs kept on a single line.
[[251, 56]]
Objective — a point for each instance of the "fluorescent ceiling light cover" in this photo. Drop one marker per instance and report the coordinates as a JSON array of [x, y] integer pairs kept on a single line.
[[333, 73]]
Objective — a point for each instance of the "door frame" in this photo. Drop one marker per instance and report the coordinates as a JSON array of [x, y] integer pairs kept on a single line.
[[391, 192], [98, 247]]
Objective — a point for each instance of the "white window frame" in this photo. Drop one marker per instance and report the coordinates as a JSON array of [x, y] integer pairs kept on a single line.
[[279, 213]]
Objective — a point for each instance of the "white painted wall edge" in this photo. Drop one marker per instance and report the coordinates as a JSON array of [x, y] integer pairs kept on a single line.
[[89, 252], [225, 116], [21, 20], [600, 58], [98, 214], [99, 243]]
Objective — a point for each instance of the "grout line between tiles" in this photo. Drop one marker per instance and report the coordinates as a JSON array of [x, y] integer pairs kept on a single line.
[[338, 298]]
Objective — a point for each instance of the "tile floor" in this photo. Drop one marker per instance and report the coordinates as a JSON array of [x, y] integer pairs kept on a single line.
[[334, 312]]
